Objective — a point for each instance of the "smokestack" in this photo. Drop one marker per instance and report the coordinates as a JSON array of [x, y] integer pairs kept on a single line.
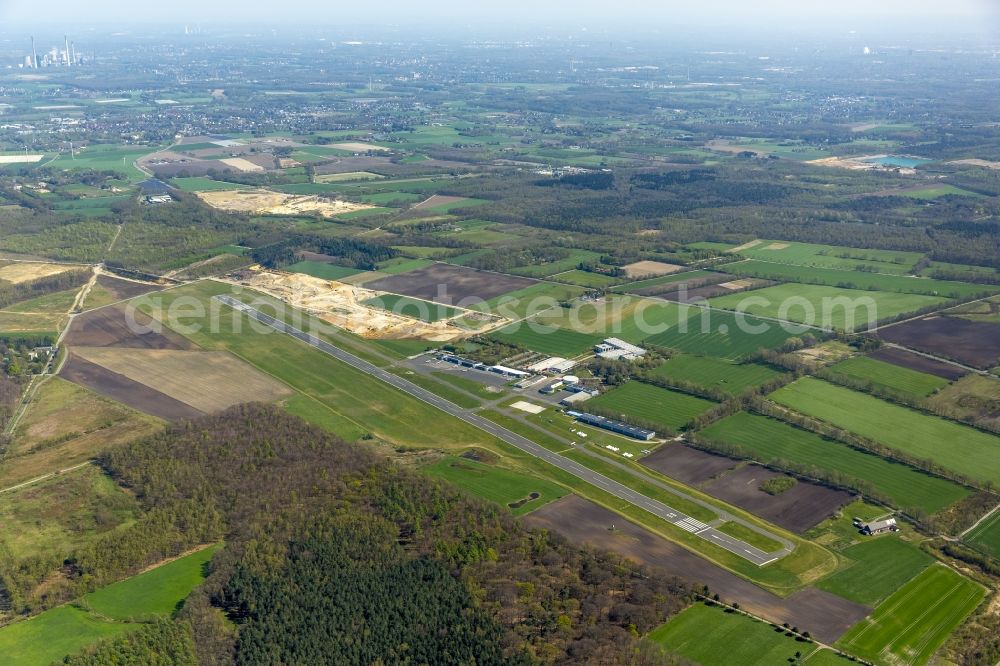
[[34, 56]]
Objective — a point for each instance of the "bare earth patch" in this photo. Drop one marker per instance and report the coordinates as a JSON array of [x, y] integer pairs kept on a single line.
[[531, 408], [641, 269], [359, 147], [24, 271], [341, 304], [736, 284], [265, 202], [241, 164], [20, 159], [745, 246], [207, 381], [776, 246]]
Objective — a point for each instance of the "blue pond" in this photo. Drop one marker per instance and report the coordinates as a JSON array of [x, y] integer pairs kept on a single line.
[[898, 161]]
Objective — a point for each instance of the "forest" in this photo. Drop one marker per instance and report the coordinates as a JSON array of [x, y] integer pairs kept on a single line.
[[328, 544]]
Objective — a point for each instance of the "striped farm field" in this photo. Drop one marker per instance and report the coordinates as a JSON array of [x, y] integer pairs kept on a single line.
[[547, 339], [824, 306], [904, 380], [956, 447], [708, 635], [909, 626], [671, 409], [771, 441], [986, 535], [732, 378], [835, 277], [719, 333]]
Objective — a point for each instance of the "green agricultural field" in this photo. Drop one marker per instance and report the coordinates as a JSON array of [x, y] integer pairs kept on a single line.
[[909, 626], [53, 634], [156, 592], [961, 271], [322, 270], [656, 281], [959, 448], [904, 380], [670, 409], [465, 202], [547, 339], [935, 191], [366, 212], [721, 334], [833, 256], [413, 307], [497, 484], [575, 258], [856, 279], [880, 566], [772, 441], [306, 188], [825, 307], [710, 636], [627, 317], [986, 535], [521, 303], [200, 184], [390, 198], [708, 372], [402, 265], [586, 279], [106, 158], [59, 303]]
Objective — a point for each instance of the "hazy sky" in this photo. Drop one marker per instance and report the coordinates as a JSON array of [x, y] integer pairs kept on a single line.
[[812, 15]]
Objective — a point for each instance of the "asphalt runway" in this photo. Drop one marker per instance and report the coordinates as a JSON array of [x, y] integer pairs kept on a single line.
[[658, 509]]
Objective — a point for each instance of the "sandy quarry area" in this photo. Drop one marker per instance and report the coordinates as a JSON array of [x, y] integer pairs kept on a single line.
[[266, 202], [859, 164], [341, 305], [25, 271]]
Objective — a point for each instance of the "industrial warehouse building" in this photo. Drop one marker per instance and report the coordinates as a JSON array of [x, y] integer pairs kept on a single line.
[[615, 349], [613, 426]]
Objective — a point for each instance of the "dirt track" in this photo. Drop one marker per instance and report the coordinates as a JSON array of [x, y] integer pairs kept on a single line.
[[824, 615]]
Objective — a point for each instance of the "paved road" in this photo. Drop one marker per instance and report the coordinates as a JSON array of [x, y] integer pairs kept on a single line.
[[744, 550]]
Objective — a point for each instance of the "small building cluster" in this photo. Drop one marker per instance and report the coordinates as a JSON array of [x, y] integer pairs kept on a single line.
[[876, 526], [614, 349], [554, 365], [502, 370]]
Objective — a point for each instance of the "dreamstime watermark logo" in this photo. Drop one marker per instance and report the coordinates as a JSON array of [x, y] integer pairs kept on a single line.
[[635, 317]]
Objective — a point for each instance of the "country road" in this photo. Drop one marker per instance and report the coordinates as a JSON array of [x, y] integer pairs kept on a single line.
[[655, 507]]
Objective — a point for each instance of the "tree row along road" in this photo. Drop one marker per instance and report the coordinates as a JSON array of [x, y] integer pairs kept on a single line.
[[658, 509]]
